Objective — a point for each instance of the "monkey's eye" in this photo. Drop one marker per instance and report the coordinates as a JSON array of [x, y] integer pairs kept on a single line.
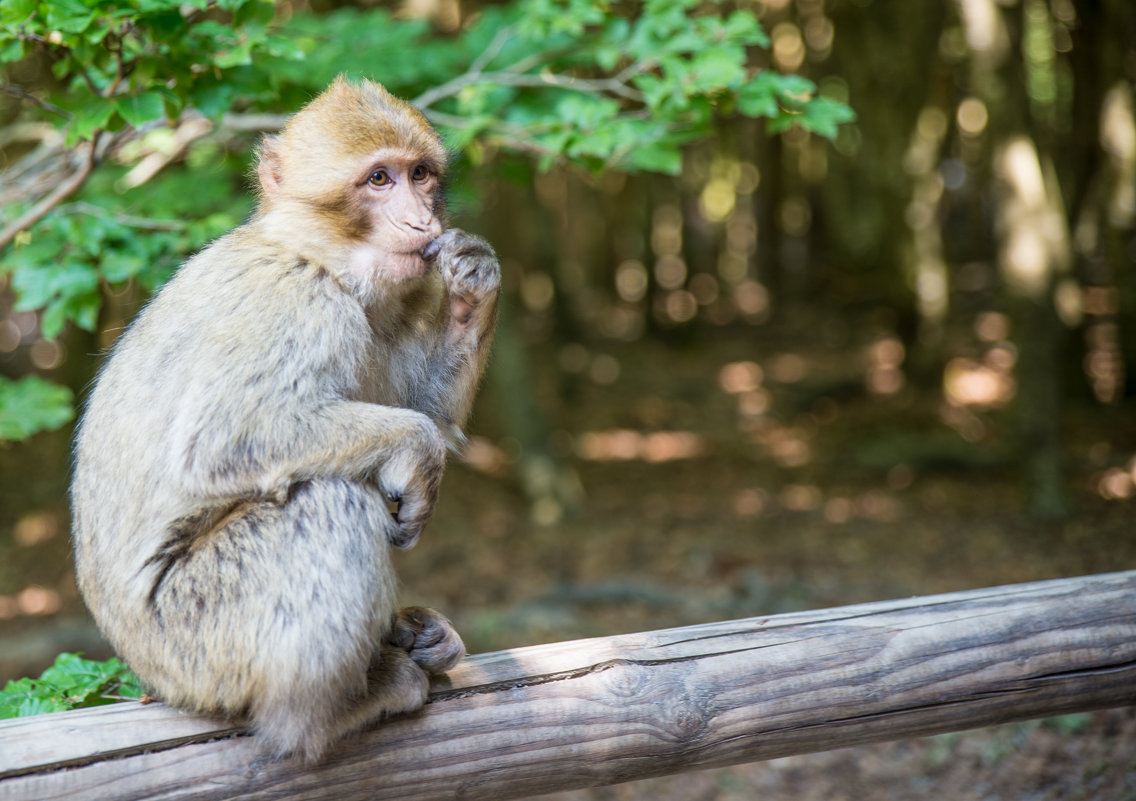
[[379, 178], [420, 173]]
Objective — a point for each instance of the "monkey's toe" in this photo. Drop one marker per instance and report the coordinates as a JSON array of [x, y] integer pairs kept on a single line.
[[428, 637]]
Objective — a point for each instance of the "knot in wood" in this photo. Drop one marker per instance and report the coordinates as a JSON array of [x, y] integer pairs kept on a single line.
[[687, 720], [626, 679]]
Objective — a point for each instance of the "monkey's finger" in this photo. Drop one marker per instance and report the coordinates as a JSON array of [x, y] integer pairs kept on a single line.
[[431, 249], [414, 512], [403, 538]]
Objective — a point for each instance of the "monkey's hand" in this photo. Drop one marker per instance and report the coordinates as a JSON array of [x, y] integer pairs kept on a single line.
[[428, 637], [469, 269], [411, 475]]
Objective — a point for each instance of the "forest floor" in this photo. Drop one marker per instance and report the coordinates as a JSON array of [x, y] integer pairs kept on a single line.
[[715, 480]]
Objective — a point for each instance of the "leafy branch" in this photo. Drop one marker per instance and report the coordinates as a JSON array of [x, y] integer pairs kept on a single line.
[[130, 90], [19, 93], [64, 189], [118, 69], [517, 75], [615, 91], [71, 683]]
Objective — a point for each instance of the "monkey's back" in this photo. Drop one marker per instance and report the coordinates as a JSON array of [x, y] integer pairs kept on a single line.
[[189, 412]]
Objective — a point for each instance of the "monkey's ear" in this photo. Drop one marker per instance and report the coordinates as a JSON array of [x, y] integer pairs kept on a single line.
[[268, 165]]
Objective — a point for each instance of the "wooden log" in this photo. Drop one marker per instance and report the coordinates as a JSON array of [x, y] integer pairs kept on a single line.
[[607, 710]]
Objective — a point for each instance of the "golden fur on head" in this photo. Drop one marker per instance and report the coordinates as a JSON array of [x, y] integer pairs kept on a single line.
[[338, 129]]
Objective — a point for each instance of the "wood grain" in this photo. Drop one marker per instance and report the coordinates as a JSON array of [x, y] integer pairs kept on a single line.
[[606, 710]]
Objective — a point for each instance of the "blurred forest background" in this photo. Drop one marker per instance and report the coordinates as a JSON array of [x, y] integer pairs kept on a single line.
[[813, 361]]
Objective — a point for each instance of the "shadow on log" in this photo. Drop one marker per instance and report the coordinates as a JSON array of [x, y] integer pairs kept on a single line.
[[607, 710]]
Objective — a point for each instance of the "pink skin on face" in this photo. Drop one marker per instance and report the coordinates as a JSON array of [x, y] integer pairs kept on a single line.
[[401, 192]]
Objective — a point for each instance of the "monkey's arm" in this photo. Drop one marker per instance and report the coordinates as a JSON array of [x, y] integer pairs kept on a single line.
[[400, 450], [272, 402], [472, 276]]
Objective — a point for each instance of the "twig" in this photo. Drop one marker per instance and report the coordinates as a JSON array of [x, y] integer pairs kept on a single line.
[[240, 123], [593, 85], [428, 98], [141, 223], [491, 52], [190, 129], [517, 75], [12, 90], [86, 76], [457, 121], [62, 191]]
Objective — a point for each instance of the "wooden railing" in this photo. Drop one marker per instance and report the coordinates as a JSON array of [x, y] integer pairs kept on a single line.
[[607, 710]]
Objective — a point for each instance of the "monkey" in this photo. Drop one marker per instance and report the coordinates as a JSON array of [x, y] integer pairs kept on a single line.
[[275, 421]]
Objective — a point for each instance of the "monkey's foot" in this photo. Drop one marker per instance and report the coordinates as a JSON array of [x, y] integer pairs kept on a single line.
[[428, 637]]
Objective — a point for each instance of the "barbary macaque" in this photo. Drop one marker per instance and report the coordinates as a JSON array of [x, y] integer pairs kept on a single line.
[[241, 452]]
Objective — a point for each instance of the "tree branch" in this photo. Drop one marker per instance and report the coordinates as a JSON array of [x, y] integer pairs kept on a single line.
[[62, 191], [141, 223], [517, 75], [18, 92], [491, 52], [507, 78]]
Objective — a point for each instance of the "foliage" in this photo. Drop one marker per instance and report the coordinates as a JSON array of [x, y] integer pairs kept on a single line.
[[554, 80], [71, 683], [132, 63], [567, 80], [83, 246], [31, 405]]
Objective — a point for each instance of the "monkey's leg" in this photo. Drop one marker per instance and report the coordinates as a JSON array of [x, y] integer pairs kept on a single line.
[[391, 685], [280, 611]]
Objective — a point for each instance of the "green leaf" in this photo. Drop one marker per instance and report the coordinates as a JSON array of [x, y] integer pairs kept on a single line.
[[717, 67], [22, 697], [586, 111], [120, 265], [11, 50], [236, 56], [36, 286], [251, 12], [820, 115], [656, 91], [15, 12], [72, 682], [657, 158], [284, 47], [213, 99], [744, 28], [68, 16], [67, 292], [824, 115], [94, 115], [757, 99], [32, 404], [791, 87], [141, 108]]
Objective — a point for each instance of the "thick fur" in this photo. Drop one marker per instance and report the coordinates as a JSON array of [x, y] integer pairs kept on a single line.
[[239, 450]]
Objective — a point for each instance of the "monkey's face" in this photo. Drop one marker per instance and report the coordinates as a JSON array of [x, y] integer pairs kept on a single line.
[[389, 212], [358, 169]]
